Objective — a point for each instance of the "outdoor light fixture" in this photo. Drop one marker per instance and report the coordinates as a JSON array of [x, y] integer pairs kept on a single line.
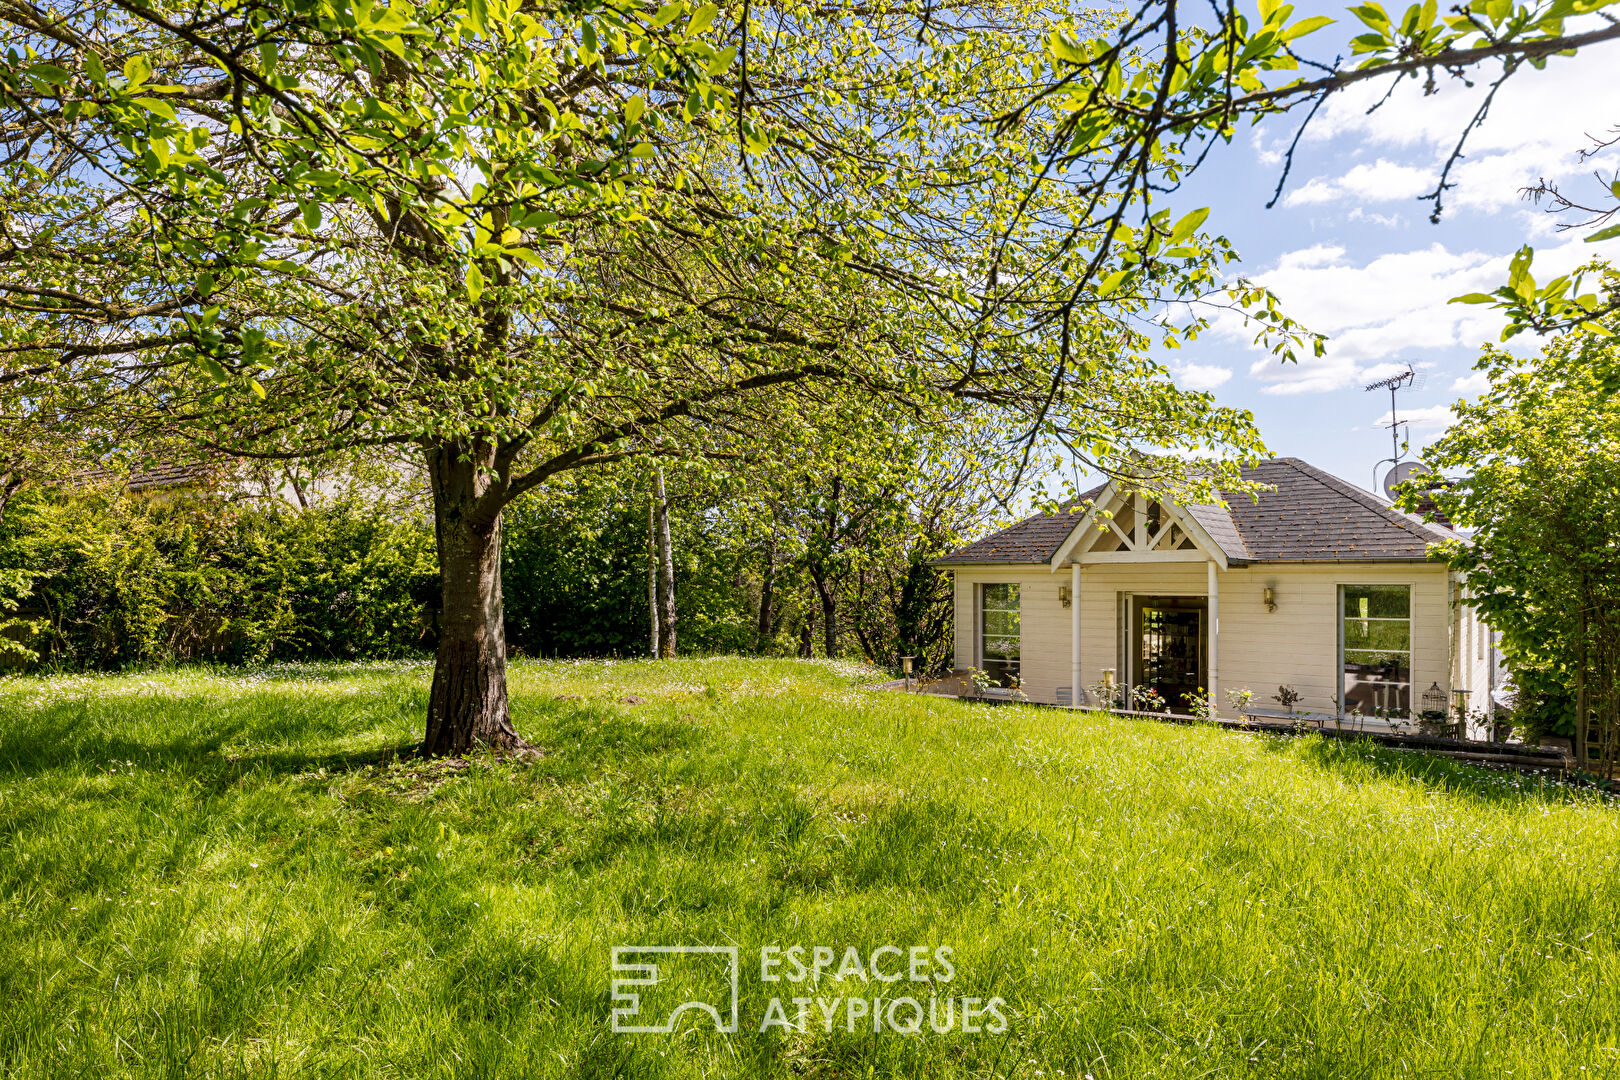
[[905, 666], [1271, 598], [1065, 595], [1108, 677]]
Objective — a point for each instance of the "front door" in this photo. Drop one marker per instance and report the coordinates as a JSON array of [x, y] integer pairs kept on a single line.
[[1170, 648]]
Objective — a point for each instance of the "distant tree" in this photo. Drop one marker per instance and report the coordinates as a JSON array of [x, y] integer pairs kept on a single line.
[[1539, 455]]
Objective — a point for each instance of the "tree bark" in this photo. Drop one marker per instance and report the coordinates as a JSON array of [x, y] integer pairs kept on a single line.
[[762, 631], [652, 575], [666, 573], [829, 618], [467, 706]]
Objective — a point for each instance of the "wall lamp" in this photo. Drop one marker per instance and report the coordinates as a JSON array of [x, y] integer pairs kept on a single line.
[[1271, 598], [1065, 595]]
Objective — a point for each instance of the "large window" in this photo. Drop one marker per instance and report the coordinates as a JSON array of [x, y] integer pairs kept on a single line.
[[999, 634], [1375, 648]]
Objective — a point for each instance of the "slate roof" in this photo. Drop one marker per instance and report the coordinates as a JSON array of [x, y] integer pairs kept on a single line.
[[1307, 516], [162, 474], [1033, 540]]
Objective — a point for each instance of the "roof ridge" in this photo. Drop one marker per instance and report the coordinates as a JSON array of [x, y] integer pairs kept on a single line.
[[1347, 490]]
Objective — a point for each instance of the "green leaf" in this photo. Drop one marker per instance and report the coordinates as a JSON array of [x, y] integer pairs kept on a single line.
[[475, 282], [156, 105], [50, 73], [137, 71], [1188, 225], [722, 60], [1519, 272], [634, 108], [1064, 48], [1305, 26], [478, 16], [1473, 298], [667, 14], [702, 19], [1109, 284], [1604, 234], [215, 370], [1373, 16]]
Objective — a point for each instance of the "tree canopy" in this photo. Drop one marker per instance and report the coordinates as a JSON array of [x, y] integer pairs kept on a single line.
[[1540, 456]]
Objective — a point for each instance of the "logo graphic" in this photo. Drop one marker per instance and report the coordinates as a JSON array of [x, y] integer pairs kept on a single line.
[[663, 978]]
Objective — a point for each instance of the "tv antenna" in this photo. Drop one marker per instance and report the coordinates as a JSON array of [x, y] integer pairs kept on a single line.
[[1406, 380]]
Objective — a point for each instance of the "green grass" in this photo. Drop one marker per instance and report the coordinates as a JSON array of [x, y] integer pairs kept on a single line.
[[216, 874]]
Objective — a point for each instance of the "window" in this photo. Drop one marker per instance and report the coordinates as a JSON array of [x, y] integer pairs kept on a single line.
[[1375, 648], [999, 634]]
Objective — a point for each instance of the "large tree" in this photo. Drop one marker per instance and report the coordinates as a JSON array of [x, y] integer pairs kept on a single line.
[[1540, 456], [527, 239]]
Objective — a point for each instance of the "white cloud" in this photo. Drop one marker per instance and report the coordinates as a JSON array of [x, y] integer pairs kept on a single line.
[[1386, 312], [1389, 221], [1536, 127], [1474, 383], [1380, 182], [1201, 376], [1430, 417]]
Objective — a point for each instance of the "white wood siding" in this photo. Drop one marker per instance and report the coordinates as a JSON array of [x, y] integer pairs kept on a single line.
[[1298, 644]]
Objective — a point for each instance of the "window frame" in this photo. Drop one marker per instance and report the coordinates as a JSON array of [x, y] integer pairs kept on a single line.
[[1410, 652], [1014, 668]]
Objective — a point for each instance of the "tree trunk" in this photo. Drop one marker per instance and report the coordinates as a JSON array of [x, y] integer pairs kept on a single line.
[[666, 572], [652, 575], [807, 635], [762, 632], [829, 613], [829, 622], [467, 706]]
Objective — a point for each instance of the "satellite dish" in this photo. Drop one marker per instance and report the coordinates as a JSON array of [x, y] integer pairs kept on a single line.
[[1401, 473]]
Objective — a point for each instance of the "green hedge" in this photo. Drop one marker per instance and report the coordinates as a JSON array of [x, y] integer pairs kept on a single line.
[[102, 579], [99, 579]]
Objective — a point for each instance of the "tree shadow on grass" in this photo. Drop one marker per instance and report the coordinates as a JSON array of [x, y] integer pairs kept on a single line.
[[183, 736], [276, 733], [1362, 761]]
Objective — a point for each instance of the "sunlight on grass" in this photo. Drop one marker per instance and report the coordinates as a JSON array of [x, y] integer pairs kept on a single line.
[[212, 873]]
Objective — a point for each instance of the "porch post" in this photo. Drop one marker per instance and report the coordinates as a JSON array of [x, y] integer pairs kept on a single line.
[[1074, 634], [1214, 636]]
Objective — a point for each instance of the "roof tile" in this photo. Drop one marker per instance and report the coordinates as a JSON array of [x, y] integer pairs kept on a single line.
[[1307, 516]]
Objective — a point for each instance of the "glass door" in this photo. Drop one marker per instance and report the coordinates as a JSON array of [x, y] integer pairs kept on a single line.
[[1170, 652]]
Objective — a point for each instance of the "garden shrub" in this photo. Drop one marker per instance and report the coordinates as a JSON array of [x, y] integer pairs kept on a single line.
[[102, 579]]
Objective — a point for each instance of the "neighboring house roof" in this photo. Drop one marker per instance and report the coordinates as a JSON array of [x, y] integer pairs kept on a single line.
[[168, 474], [1307, 516], [162, 474]]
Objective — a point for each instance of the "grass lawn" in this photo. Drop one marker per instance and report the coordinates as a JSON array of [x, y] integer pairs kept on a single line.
[[216, 874]]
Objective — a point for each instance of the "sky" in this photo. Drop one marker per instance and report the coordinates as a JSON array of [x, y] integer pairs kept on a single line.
[[1350, 251]]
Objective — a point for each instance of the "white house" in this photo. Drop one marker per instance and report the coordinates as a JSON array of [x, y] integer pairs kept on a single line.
[[1318, 586]]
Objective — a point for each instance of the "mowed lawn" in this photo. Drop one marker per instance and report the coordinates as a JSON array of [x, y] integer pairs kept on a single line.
[[221, 874]]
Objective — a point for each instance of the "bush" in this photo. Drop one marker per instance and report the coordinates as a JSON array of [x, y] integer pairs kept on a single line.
[[574, 577], [104, 579]]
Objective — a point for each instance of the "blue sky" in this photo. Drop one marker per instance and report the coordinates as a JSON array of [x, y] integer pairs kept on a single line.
[[1351, 252]]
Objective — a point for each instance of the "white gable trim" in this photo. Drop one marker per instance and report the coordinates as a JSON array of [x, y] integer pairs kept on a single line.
[[1078, 533], [1077, 545]]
